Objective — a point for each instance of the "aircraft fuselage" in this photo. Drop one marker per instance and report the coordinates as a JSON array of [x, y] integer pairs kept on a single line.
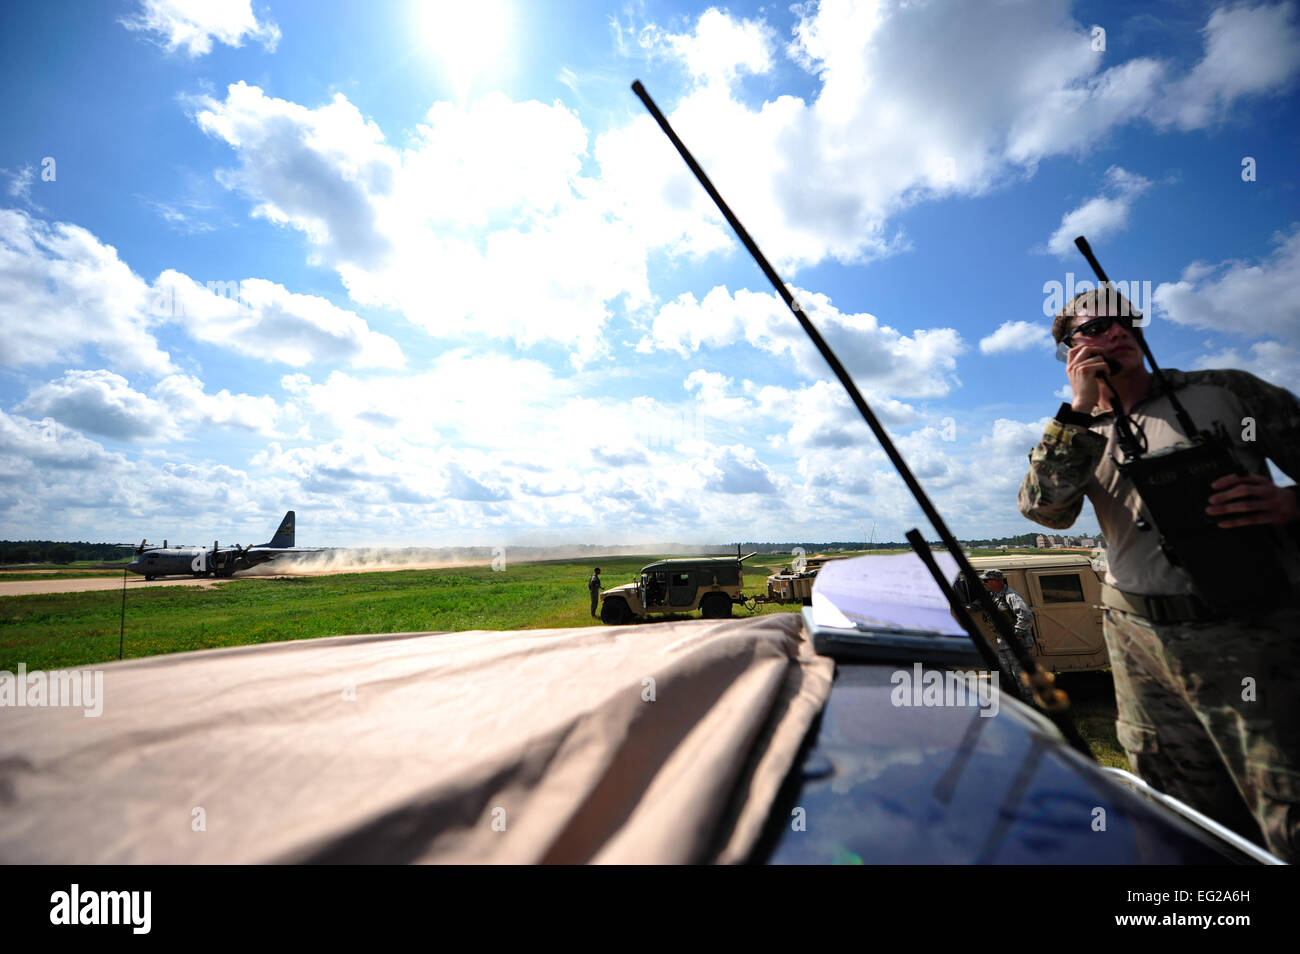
[[192, 561]]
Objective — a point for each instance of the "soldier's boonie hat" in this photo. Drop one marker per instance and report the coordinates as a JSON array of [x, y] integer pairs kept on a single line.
[[992, 575]]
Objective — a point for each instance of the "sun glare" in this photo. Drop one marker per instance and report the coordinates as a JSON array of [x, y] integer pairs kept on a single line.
[[467, 39]]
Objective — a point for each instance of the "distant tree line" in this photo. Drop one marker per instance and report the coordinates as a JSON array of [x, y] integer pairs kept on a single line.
[[54, 551], [1020, 540], [817, 547], [1025, 539]]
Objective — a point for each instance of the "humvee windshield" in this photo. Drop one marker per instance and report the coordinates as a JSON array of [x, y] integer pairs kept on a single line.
[[655, 586]]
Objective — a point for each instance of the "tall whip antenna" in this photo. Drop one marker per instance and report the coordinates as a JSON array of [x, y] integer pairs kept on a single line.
[[1052, 700]]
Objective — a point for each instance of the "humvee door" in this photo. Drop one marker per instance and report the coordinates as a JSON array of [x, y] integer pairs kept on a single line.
[[1065, 602], [681, 588]]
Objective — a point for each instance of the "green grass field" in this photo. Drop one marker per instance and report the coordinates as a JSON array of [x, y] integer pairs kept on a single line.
[[60, 630], [1092, 703]]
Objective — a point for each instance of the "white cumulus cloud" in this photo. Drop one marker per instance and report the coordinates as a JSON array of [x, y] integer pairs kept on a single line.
[[1101, 216], [64, 294], [194, 24], [1016, 336], [1249, 51], [922, 364], [1240, 297], [262, 319], [103, 403]]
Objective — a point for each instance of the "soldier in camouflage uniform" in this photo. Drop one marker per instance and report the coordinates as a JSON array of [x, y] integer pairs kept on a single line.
[[593, 584], [1208, 706], [1011, 603]]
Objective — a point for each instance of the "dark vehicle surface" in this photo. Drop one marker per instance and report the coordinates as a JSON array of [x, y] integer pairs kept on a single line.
[[879, 783]]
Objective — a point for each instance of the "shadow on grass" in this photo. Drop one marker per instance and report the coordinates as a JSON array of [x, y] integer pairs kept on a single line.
[[1092, 700]]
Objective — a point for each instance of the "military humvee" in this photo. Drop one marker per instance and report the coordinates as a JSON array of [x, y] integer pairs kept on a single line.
[[1064, 592], [709, 584]]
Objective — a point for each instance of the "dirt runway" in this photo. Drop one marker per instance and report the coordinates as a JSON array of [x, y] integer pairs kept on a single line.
[[133, 582], [28, 587]]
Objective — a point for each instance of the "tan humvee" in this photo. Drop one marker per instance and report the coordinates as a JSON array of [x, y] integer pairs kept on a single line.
[[1064, 593], [709, 584]]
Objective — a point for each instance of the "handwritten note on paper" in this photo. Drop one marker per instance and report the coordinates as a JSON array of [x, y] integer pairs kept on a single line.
[[884, 592]]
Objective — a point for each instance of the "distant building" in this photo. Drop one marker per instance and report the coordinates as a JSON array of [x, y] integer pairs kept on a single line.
[[1041, 542]]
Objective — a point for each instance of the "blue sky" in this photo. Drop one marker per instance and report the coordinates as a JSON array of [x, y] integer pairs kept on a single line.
[[428, 274]]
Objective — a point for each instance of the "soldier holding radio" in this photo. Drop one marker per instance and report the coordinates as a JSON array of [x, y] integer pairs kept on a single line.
[[1207, 685]]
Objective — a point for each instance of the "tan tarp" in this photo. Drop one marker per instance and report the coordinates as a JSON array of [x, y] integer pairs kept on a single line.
[[638, 744]]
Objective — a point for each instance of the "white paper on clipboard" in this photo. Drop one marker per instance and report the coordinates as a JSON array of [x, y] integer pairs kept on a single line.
[[884, 593]]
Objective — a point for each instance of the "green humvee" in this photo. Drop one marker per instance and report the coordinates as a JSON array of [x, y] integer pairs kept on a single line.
[[709, 584]]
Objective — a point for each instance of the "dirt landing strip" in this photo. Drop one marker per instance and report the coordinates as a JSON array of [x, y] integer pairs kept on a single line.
[[27, 587]]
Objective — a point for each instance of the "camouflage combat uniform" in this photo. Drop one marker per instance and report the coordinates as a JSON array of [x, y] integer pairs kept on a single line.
[[593, 584], [1011, 603], [1208, 708]]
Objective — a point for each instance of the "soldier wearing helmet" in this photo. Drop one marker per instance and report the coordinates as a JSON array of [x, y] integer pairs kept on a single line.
[[1011, 603]]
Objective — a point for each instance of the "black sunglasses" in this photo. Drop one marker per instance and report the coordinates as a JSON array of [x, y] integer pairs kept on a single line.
[[1095, 327]]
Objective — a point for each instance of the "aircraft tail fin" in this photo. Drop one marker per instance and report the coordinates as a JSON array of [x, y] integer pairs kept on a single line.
[[284, 536]]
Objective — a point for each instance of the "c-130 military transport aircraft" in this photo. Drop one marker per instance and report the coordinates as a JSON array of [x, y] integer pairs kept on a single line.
[[153, 562]]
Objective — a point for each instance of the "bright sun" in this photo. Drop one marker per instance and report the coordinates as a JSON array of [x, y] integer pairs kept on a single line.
[[466, 38]]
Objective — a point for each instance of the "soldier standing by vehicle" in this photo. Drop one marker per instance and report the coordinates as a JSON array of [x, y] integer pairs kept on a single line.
[[1012, 603], [1208, 703], [593, 584]]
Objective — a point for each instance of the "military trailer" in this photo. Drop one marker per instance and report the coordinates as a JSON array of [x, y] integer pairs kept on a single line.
[[792, 585], [710, 584], [1064, 592]]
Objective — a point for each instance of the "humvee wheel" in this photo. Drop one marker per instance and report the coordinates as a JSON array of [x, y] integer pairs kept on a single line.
[[716, 606], [147, 578], [615, 611]]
